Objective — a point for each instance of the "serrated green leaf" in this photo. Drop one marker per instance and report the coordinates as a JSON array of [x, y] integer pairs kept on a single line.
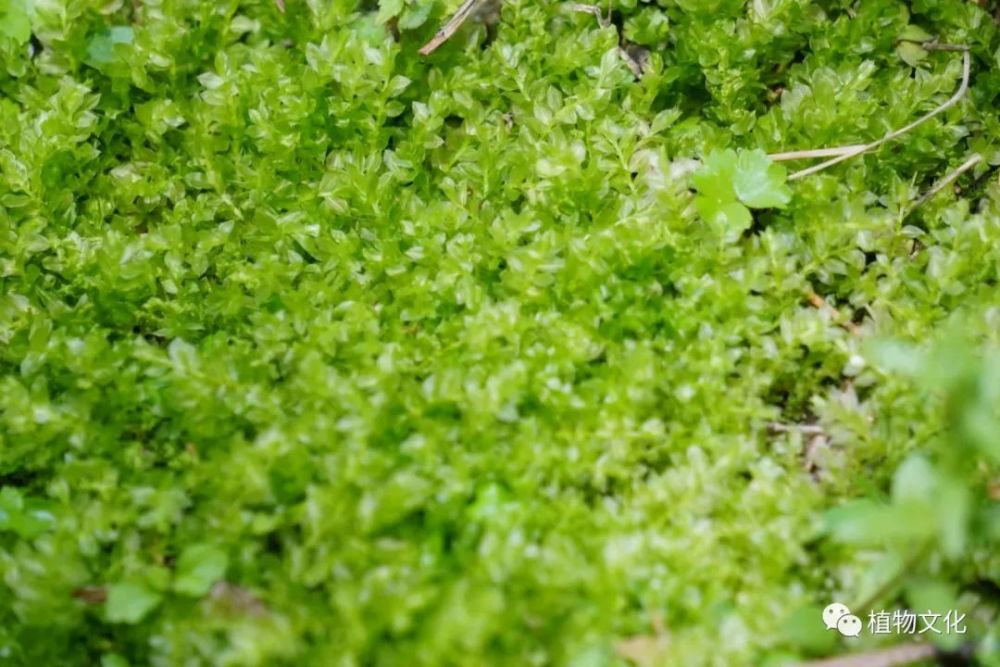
[[758, 182], [731, 217], [714, 180]]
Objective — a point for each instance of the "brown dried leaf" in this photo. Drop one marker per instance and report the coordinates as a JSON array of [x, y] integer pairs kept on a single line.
[[236, 599], [91, 594]]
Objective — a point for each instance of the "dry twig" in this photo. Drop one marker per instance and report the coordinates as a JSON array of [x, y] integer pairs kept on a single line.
[[934, 45], [450, 28], [591, 9], [890, 657], [842, 153], [820, 304], [814, 153], [635, 58], [816, 440], [235, 598], [804, 429], [91, 594], [948, 179], [810, 456]]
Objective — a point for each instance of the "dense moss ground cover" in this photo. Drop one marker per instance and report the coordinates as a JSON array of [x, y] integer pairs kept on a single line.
[[315, 351]]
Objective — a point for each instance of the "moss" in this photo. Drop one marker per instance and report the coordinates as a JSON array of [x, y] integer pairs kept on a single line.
[[317, 351]]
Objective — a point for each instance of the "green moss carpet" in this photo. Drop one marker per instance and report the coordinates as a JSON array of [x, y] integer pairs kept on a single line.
[[318, 351]]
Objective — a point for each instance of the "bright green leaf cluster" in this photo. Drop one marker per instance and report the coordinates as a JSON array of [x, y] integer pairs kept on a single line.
[[731, 182]]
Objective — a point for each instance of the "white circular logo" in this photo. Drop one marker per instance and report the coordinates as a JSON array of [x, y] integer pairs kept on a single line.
[[833, 613], [849, 625]]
